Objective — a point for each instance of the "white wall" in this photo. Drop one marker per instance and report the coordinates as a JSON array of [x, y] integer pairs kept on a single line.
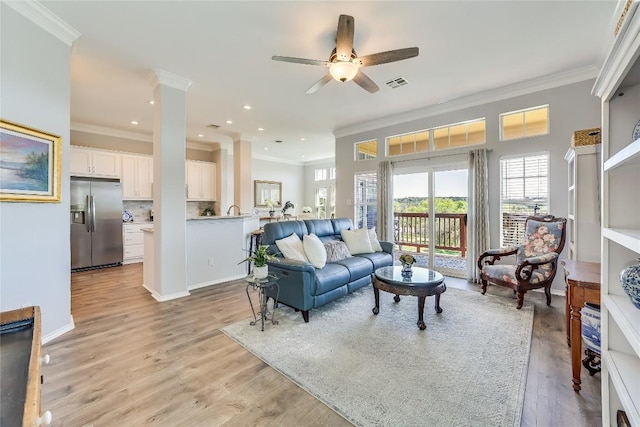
[[571, 107], [34, 237], [291, 176]]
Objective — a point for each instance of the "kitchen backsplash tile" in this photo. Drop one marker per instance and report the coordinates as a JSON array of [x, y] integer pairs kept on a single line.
[[140, 209]]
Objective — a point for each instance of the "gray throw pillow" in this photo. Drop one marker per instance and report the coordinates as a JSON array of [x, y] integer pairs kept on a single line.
[[336, 250]]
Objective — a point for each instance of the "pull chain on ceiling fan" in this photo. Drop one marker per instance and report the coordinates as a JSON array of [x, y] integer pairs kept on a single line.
[[344, 64]]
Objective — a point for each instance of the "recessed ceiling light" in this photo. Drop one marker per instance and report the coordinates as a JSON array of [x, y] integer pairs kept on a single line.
[[133, 122], [260, 128], [303, 156], [247, 107], [266, 148], [152, 102], [200, 135], [303, 139], [229, 122]]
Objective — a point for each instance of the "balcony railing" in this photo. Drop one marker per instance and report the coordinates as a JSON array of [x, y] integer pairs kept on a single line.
[[412, 229]]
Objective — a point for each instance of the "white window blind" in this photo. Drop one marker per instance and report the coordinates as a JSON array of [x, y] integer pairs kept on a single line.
[[524, 192], [366, 199]]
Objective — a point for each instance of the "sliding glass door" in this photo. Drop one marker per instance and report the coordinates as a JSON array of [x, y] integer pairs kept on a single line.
[[438, 241]]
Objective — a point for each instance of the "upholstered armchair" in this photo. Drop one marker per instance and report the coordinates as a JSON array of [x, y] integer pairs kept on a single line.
[[536, 259]]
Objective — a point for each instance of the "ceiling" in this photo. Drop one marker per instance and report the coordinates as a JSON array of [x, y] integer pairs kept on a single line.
[[225, 49]]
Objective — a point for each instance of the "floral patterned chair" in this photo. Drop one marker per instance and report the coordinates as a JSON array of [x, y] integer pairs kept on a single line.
[[536, 259]]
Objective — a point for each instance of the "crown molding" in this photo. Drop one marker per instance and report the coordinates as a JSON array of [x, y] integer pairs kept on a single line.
[[480, 98], [35, 12], [165, 78], [320, 161], [116, 133], [275, 159]]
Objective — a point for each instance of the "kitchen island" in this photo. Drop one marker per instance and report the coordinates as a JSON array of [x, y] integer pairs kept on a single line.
[[214, 247]]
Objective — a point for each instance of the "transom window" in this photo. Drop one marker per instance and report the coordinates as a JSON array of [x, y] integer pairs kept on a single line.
[[366, 150], [408, 143], [321, 174], [464, 134], [460, 134], [524, 123]]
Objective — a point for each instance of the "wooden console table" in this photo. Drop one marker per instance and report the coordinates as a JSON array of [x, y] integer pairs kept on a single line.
[[583, 286]]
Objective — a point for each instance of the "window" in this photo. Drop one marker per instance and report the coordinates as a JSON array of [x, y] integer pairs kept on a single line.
[[332, 201], [366, 199], [321, 202], [524, 191], [321, 174], [524, 123], [366, 150], [464, 134], [415, 142], [332, 173], [457, 135]]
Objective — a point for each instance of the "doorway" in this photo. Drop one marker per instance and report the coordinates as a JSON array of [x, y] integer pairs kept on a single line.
[[444, 191]]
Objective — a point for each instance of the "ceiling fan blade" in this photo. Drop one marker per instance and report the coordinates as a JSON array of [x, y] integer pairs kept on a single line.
[[300, 60], [344, 37], [365, 82], [317, 85], [385, 57]]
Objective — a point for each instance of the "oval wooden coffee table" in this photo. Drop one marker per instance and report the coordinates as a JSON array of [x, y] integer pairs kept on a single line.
[[421, 283]]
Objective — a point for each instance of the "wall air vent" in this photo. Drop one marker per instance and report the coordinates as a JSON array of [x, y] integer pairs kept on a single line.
[[213, 126], [397, 82]]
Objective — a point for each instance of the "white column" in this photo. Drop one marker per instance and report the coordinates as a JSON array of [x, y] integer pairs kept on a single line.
[[242, 184], [169, 156]]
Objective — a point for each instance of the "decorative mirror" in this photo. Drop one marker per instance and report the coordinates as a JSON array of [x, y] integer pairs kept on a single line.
[[265, 192]]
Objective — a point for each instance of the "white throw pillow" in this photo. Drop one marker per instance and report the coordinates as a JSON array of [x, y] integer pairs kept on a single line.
[[373, 238], [357, 241], [291, 248], [314, 250]]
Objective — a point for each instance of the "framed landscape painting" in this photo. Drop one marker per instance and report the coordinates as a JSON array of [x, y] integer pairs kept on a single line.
[[30, 163]]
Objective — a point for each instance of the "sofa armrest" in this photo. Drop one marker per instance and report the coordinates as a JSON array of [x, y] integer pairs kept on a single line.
[[293, 265], [387, 247]]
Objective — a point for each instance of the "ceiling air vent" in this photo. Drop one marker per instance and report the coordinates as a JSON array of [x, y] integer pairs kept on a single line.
[[278, 141], [213, 126], [396, 83]]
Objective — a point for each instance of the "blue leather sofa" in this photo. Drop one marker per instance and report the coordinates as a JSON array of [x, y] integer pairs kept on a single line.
[[304, 287]]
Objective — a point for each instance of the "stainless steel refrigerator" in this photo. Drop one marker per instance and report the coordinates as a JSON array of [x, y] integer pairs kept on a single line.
[[96, 222]]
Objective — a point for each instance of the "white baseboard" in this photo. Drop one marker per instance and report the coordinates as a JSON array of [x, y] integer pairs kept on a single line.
[[216, 282], [60, 331], [169, 297]]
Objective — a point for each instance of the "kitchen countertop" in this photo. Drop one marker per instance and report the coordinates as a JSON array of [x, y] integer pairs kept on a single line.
[[223, 217]]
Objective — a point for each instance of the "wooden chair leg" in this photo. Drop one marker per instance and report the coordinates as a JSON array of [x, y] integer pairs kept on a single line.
[[520, 299], [547, 292], [484, 286]]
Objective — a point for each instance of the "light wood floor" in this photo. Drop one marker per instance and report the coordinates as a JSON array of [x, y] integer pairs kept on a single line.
[[132, 361]]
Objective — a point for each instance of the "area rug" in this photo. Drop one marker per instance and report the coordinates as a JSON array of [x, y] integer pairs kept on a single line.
[[468, 368]]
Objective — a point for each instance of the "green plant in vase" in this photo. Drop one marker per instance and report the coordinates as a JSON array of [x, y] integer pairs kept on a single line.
[[259, 258]]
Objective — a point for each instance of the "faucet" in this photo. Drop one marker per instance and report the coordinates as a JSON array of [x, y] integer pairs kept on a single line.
[[231, 207]]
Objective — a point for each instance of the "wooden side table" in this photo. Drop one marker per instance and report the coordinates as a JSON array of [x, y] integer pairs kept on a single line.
[[583, 286]]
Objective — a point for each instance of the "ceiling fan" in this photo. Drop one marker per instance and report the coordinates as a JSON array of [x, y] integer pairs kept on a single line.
[[344, 64]]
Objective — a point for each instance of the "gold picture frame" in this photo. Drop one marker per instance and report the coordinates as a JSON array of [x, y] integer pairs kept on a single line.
[[30, 164]]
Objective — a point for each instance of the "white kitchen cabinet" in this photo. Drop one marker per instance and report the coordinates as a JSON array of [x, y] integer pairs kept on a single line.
[[137, 177], [618, 86], [92, 162], [201, 180], [133, 241], [583, 221]]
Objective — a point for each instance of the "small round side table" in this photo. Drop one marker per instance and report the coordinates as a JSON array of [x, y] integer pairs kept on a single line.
[[262, 285]]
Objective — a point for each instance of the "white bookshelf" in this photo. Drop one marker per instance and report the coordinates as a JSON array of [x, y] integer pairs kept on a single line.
[[618, 86], [583, 219]]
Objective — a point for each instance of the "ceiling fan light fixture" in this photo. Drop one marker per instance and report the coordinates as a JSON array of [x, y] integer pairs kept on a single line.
[[343, 71]]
